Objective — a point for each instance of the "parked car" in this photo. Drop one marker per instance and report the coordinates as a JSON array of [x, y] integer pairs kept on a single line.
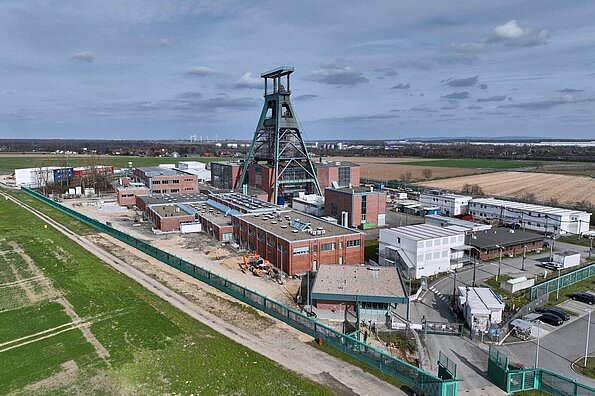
[[587, 298], [552, 265], [556, 311], [588, 234], [551, 319]]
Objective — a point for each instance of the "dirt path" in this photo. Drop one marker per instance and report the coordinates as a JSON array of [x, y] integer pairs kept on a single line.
[[278, 342]]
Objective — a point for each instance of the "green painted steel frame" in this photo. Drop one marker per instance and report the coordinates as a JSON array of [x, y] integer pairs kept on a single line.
[[364, 353]]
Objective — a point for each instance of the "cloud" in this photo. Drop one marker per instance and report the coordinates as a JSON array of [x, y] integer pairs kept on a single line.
[[498, 98], [84, 56], [401, 86], [423, 109], [305, 97], [462, 82], [337, 74], [474, 107], [512, 34], [247, 81], [386, 71], [570, 90], [359, 118], [202, 71], [483, 86], [451, 105], [457, 95], [544, 104]]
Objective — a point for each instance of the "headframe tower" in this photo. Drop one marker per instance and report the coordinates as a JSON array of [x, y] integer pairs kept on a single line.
[[278, 141]]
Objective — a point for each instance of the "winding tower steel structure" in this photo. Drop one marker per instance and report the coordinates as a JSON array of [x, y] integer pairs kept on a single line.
[[278, 141]]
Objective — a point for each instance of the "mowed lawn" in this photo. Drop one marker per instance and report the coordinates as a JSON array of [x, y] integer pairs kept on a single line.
[[472, 163], [153, 348], [8, 163]]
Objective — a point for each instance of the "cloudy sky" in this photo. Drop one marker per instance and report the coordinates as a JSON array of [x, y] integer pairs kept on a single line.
[[379, 69]]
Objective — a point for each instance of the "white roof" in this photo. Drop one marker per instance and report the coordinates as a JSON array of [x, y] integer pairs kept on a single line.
[[422, 232], [517, 280], [527, 207], [481, 299]]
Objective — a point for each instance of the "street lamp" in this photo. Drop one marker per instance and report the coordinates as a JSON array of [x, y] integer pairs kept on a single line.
[[558, 288], [524, 257], [499, 261], [588, 331], [475, 263], [537, 350], [590, 246]]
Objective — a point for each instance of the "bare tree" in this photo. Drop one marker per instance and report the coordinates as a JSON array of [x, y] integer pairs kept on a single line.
[[407, 176], [472, 189], [585, 205], [528, 197], [427, 173]]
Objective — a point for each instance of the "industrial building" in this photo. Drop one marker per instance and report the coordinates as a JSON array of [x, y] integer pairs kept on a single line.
[[143, 202], [449, 204], [195, 168], [337, 174], [422, 249], [39, 177], [97, 170], [225, 175], [215, 220], [244, 204], [491, 243], [126, 196], [362, 207], [296, 242], [540, 218], [456, 224], [480, 306], [169, 217], [160, 180], [375, 291], [309, 203]]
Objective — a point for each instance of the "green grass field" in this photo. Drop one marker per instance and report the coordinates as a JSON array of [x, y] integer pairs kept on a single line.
[[472, 163], [9, 163], [588, 371], [153, 347]]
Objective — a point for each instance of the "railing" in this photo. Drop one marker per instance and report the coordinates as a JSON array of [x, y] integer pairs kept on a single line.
[[364, 353], [565, 280], [521, 380]]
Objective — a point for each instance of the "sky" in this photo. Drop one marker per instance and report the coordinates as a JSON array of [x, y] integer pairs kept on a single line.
[[375, 69]]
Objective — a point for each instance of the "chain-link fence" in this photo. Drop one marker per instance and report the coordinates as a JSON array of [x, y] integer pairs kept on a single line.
[[564, 281]]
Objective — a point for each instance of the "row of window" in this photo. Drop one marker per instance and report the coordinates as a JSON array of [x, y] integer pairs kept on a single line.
[[173, 191]]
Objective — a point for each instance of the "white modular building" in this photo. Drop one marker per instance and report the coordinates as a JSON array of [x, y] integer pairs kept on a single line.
[[34, 177], [541, 218], [449, 204], [481, 307], [184, 165], [454, 223], [422, 249], [309, 203]]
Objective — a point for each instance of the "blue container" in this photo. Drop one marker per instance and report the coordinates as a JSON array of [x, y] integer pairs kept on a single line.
[[281, 200]]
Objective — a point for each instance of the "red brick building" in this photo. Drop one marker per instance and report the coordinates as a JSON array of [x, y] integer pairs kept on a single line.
[[166, 181], [344, 174], [510, 242], [363, 205], [225, 175], [297, 243], [168, 218], [126, 196]]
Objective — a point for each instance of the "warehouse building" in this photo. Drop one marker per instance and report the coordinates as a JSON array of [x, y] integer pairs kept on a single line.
[[296, 242], [540, 218], [39, 177], [375, 291], [449, 204], [422, 249], [97, 170], [489, 243], [354, 207], [160, 180]]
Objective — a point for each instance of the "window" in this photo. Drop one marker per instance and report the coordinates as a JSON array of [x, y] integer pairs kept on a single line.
[[364, 208], [340, 245], [175, 190], [260, 237], [228, 236], [300, 251], [176, 181], [353, 243], [250, 232], [157, 182], [271, 242], [188, 180], [344, 176], [188, 189], [334, 210], [325, 247], [315, 248]]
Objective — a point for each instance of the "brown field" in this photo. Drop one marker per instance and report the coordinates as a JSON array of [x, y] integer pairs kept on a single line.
[[384, 169], [566, 189]]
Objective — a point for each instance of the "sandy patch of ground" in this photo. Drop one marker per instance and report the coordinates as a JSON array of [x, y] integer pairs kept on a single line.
[[566, 189]]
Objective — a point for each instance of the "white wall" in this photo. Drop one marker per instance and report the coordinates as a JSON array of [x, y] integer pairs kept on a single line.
[[449, 205]]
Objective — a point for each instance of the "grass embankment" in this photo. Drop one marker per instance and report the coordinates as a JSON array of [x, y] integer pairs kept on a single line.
[[9, 163], [472, 163], [588, 371], [153, 347], [577, 240], [368, 369]]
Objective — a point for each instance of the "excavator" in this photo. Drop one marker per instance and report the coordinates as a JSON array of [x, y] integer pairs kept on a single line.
[[261, 267]]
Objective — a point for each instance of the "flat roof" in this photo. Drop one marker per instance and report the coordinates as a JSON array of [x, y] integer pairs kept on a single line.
[[527, 207], [364, 283], [169, 210], [283, 224], [152, 171], [213, 215], [422, 232], [333, 163], [448, 196], [481, 298], [130, 188], [503, 237], [173, 198], [457, 222], [226, 163], [246, 203]]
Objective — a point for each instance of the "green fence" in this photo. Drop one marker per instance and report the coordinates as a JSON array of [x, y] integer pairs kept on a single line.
[[565, 280], [393, 367], [519, 380]]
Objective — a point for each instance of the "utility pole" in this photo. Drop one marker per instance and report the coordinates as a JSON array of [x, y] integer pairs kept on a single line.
[[524, 257], [454, 290], [537, 350], [558, 288], [474, 270], [590, 246], [499, 262]]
